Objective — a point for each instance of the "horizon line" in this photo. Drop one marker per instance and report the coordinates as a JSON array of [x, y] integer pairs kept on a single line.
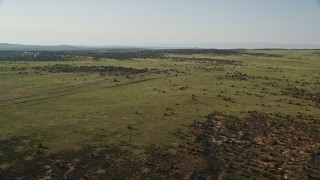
[[237, 45]]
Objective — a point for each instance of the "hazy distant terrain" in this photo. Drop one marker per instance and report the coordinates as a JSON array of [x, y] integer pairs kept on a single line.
[[159, 114], [19, 47]]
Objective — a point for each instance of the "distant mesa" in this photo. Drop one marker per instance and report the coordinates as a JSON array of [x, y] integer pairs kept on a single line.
[[20, 47]]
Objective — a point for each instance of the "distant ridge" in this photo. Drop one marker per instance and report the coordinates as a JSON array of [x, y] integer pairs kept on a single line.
[[21, 47], [250, 45]]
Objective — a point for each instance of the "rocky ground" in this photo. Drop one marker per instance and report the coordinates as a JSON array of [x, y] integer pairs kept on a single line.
[[257, 147]]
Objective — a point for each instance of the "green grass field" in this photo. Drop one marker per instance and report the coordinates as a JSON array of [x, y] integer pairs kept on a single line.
[[66, 112]]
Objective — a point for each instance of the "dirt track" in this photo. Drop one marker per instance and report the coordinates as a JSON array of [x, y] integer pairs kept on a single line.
[[50, 93]]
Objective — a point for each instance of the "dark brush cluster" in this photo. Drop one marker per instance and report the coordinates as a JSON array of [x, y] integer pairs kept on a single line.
[[67, 68], [75, 55]]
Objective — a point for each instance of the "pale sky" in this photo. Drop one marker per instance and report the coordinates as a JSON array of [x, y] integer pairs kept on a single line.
[[154, 22]]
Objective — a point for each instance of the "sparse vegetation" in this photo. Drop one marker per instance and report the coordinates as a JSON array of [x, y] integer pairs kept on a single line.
[[160, 114]]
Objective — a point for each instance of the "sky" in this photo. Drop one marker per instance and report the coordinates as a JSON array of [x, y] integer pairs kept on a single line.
[[159, 22]]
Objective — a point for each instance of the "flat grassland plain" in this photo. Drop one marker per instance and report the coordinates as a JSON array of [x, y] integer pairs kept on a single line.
[[160, 114]]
